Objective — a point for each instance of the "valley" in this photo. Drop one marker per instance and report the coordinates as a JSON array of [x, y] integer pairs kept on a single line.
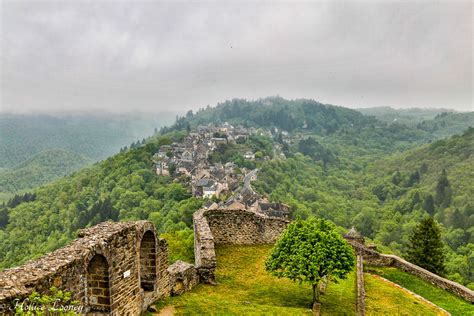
[[320, 160]]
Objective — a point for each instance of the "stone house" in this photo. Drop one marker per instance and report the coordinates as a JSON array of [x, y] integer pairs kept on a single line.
[[187, 155], [249, 155], [162, 168], [204, 187], [216, 141]]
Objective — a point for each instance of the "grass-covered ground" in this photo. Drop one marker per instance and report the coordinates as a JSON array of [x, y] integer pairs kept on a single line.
[[245, 288], [383, 298], [440, 297]]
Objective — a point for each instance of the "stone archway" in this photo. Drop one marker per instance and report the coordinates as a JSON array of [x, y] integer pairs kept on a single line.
[[98, 284], [148, 262]]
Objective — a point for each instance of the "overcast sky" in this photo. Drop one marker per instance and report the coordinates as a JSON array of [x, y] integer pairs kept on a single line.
[[153, 56]]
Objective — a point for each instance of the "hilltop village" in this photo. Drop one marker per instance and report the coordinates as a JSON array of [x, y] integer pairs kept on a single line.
[[227, 186]]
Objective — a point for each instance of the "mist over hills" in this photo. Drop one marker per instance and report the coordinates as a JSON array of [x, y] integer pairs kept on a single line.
[[95, 136], [38, 148]]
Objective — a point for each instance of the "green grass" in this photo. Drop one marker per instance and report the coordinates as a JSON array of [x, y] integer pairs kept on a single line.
[[440, 297], [382, 298], [245, 288]]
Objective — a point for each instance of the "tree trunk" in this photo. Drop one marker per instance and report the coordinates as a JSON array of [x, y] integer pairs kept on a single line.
[[315, 293]]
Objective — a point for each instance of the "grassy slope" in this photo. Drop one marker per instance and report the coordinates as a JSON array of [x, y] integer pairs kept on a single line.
[[245, 288], [450, 302], [385, 299]]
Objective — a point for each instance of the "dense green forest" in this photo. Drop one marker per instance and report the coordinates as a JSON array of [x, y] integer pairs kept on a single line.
[[334, 163], [123, 187], [36, 149], [41, 168], [405, 116]]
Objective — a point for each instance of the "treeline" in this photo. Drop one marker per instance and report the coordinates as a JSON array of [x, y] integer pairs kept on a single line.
[[342, 125]]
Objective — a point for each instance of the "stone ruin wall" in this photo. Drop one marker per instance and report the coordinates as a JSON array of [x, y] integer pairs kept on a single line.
[[239, 227], [111, 269], [243, 227], [360, 288], [375, 258], [122, 268]]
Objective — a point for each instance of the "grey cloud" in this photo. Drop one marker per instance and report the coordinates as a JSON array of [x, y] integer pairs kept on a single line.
[[153, 56]]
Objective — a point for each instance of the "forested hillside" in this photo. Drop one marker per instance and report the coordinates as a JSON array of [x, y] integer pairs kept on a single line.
[[123, 187], [404, 116], [436, 179], [36, 149], [328, 161], [342, 125], [41, 168], [92, 136]]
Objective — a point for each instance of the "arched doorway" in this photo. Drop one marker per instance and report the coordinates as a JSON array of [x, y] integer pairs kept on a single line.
[[98, 286], [148, 262]]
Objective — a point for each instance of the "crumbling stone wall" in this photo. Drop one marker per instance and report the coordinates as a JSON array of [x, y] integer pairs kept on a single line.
[[183, 277], [360, 289], [111, 268], [242, 227], [204, 252], [375, 258], [223, 226]]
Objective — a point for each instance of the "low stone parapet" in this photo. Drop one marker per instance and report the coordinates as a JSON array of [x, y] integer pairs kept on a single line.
[[372, 257], [204, 252], [183, 277], [360, 301]]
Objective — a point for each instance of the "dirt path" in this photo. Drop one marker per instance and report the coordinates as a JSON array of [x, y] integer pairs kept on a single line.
[[166, 311]]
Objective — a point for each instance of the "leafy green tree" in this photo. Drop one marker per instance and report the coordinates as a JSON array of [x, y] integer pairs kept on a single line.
[[457, 219], [310, 250], [428, 205], [55, 303], [414, 178], [423, 168], [397, 178], [311, 147], [425, 247], [3, 217], [443, 191]]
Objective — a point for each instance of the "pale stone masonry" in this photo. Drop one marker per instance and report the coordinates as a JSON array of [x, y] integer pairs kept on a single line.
[[372, 257], [111, 269], [183, 277], [223, 226], [360, 300]]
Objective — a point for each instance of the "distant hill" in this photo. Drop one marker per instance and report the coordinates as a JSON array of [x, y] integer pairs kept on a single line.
[[446, 124], [336, 124], [40, 169], [92, 136], [435, 179], [410, 115], [29, 143]]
